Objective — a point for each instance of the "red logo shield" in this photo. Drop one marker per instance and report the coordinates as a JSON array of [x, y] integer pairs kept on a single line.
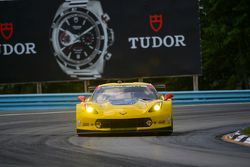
[[156, 22], [6, 30]]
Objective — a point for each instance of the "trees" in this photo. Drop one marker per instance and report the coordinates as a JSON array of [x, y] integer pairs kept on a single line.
[[225, 35]]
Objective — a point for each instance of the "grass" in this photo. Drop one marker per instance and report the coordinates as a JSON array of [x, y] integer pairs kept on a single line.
[[246, 131]]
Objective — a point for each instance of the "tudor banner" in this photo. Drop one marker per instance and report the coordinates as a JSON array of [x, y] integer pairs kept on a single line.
[[57, 40]]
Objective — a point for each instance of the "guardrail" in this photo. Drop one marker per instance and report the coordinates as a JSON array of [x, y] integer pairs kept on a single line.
[[69, 100]]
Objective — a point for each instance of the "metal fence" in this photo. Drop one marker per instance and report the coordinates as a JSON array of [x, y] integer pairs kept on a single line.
[[69, 100]]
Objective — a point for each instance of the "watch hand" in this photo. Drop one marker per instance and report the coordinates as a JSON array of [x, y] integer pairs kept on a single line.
[[85, 32], [69, 44], [71, 34], [73, 38], [68, 32]]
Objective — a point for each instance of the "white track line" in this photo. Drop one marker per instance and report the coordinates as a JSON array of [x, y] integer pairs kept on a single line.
[[41, 113]]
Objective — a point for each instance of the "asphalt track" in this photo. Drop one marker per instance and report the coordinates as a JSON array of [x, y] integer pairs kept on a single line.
[[47, 138]]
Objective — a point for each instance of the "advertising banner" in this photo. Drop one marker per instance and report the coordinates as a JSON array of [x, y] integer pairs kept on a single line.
[[58, 40]]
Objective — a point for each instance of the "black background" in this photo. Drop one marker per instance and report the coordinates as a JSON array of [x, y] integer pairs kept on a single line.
[[32, 22]]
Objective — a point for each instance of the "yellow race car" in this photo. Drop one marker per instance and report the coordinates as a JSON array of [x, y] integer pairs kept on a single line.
[[124, 107]]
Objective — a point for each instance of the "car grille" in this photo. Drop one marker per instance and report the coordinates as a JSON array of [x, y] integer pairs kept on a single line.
[[123, 123]]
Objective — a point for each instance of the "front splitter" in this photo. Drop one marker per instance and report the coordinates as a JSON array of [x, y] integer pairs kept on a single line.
[[158, 131]]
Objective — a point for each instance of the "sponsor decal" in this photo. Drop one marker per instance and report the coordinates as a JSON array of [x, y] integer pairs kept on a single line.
[[168, 41], [6, 49]]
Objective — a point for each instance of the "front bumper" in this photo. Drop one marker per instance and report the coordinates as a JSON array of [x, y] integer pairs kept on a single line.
[[128, 124], [165, 130]]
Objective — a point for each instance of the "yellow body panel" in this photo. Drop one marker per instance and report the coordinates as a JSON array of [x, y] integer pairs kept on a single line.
[[86, 121]]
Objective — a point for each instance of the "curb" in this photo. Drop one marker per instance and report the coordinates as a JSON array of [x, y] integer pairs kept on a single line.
[[237, 138]]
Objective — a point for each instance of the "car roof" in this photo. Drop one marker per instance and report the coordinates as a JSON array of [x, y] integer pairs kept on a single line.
[[126, 84]]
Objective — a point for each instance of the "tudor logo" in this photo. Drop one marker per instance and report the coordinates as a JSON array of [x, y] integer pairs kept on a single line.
[[156, 22], [9, 48], [157, 41], [6, 30]]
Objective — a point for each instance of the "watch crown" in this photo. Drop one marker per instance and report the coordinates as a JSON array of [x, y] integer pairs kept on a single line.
[[105, 17], [111, 36]]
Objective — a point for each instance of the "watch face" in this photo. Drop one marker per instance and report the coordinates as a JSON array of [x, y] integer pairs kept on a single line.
[[78, 38]]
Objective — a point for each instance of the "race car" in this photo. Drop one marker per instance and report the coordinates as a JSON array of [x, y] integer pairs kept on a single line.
[[124, 107]]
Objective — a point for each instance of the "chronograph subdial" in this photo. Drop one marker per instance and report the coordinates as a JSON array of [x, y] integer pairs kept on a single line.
[[88, 39], [66, 38]]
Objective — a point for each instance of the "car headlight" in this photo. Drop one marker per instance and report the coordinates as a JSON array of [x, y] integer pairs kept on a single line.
[[90, 109], [156, 107]]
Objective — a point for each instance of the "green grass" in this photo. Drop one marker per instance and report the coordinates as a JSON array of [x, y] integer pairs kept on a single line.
[[246, 131]]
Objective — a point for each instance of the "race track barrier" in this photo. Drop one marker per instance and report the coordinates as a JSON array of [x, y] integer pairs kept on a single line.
[[69, 100]]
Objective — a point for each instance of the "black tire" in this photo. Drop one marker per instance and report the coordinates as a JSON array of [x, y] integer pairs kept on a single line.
[[170, 130], [78, 132], [172, 127]]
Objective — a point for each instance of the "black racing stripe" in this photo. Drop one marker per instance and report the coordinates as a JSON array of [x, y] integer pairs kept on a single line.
[[244, 139]]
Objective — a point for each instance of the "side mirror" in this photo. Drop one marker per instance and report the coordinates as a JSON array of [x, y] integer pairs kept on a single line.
[[168, 96], [81, 98]]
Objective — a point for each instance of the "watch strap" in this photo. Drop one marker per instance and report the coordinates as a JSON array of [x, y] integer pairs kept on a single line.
[[84, 74], [77, 3]]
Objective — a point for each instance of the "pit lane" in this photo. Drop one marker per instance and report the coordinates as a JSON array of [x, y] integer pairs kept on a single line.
[[47, 138]]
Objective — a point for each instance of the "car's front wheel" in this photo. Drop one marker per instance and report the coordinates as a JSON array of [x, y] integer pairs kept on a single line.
[[169, 131]]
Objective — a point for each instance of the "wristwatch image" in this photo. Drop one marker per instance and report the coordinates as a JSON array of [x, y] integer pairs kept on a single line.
[[81, 37]]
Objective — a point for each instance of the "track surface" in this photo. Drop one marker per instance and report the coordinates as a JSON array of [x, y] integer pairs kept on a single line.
[[47, 138]]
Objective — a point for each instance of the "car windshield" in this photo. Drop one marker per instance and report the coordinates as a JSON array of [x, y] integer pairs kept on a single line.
[[124, 93]]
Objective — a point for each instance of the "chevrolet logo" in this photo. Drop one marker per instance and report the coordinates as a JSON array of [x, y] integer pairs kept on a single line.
[[123, 112]]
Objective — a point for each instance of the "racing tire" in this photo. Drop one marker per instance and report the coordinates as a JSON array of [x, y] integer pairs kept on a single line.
[[78, 132], [169, 131]]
